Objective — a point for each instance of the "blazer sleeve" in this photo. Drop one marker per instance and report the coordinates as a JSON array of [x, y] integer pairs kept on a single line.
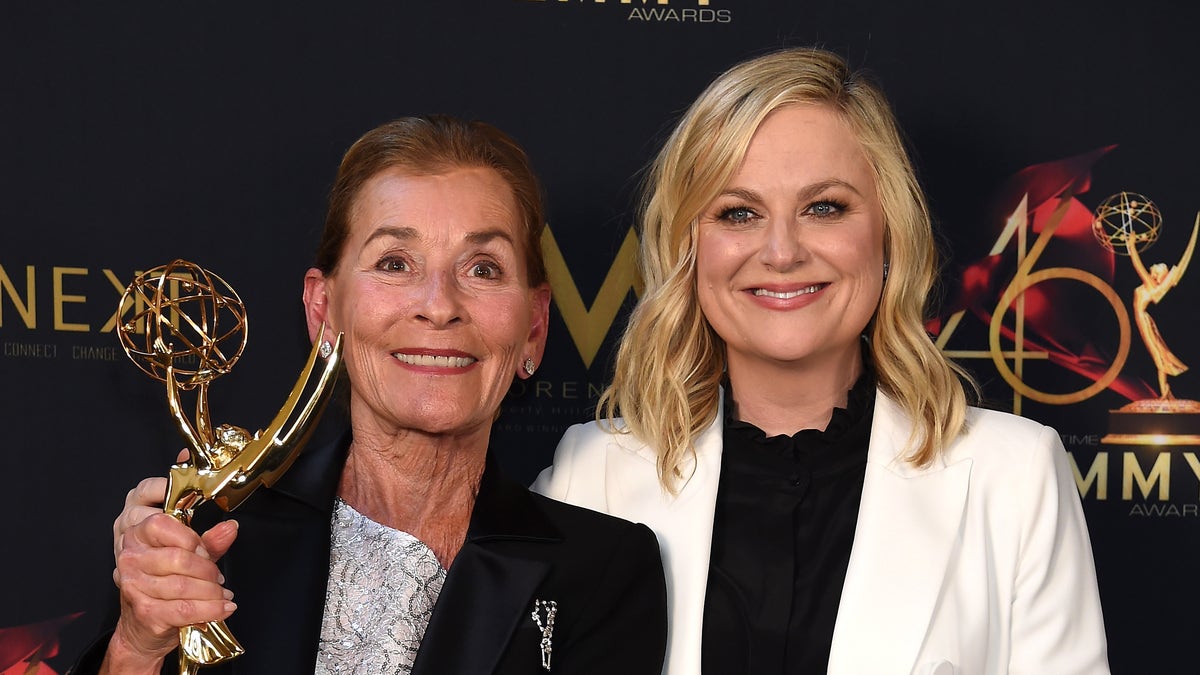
[[90, 661], [93, 657], [1058, 626], [625, 628], [553, 480]]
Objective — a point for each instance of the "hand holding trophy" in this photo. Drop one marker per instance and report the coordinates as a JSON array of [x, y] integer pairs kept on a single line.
[[185, 326]]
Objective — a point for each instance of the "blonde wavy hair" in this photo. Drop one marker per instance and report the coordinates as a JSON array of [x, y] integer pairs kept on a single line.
[[670, 362]]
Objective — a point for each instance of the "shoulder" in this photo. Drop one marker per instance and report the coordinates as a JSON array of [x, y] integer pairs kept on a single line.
[[584, 457], [987, 436], [992, 435], [1005, 452], [594, 541], [513, 518], [577, 520], [592, 437], [580, 451], [1013, 454]]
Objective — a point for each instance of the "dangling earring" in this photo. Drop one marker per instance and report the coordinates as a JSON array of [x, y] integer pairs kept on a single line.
[[530, 367], [326, 349], [885, 270]]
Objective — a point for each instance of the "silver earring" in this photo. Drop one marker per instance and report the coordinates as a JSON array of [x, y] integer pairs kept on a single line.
[[326, 349], [885, 270], [530, 367]]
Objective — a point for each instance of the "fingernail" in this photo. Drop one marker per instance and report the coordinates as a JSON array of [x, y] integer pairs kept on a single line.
[[202, 552], [230, 606], [228, 594], [220, 578]]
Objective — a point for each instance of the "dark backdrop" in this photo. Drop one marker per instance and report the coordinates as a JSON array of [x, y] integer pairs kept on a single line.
[[132, 133]]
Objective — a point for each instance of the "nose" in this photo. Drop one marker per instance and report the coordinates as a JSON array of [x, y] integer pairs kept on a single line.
[[440, 300], [782, 248]]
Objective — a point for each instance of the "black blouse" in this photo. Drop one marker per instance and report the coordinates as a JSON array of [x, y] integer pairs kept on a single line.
[[785, 516]]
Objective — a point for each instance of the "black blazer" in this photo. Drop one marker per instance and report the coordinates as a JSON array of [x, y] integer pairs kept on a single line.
[[605, 574]]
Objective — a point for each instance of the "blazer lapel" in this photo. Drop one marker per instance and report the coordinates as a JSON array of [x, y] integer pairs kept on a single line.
[[908, 528], [488, 590]]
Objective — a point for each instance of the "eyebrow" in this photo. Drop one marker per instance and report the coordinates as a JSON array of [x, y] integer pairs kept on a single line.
[[405, 233], [486, 236], [806, 193]]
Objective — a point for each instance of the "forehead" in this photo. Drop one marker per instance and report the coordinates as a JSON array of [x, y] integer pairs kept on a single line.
[[806, 142], [462, 199]]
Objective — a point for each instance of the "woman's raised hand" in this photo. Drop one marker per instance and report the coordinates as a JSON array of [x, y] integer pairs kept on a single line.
[[168, 578]]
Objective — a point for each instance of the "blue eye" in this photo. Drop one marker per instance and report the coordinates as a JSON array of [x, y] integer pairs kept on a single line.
[[826, 208], [738, 214]]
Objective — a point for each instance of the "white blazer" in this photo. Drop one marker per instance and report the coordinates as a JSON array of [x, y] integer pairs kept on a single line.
[[979, 564]]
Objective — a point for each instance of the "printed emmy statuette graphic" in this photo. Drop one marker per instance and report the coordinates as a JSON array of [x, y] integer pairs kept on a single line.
[[1127, 224]]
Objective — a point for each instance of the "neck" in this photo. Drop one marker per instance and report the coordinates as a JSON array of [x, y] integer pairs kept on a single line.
[[421, 484], [784, 398]]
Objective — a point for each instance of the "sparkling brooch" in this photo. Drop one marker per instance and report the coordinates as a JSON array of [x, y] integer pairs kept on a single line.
[[547, 628]]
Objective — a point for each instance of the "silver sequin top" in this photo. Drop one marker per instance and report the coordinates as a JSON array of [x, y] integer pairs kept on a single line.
[[383, 584]]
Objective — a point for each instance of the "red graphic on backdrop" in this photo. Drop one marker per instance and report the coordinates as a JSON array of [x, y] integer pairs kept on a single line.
[[1050, 326], [24, 648]]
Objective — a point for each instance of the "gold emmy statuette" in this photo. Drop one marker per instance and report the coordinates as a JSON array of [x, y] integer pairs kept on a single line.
[[1127, 224], [185, 326]]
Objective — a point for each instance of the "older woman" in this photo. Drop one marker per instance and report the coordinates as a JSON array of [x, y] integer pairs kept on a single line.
[[402, 548], [825, 499]]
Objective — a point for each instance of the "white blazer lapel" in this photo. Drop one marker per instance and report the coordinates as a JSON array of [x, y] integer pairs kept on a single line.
[[908, 527]]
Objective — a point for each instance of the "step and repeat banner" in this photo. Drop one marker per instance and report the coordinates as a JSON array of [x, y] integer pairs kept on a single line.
[[135, 133]]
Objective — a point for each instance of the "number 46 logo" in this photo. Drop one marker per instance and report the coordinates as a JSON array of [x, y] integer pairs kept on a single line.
[[1011, 359]]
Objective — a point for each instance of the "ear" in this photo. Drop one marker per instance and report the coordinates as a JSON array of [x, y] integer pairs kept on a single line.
[[316, 302], [539, 326]]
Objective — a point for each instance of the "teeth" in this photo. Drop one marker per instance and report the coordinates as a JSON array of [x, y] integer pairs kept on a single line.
[[788, 295], [435, 361]]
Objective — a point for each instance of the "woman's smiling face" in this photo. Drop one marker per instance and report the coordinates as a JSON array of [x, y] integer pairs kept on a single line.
[[432, 294], [789, 257]]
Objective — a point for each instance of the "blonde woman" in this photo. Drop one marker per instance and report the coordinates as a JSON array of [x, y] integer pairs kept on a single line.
[[825, 498]]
